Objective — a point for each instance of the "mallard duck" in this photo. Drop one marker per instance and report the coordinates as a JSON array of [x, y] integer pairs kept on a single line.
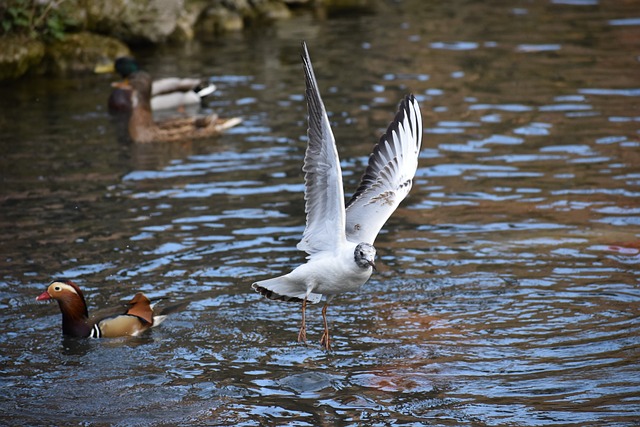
[[139, 317], [142, 128], [167, 93]]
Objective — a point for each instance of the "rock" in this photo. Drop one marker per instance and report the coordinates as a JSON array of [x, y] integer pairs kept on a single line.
[[348, 5], [135, 21], [186, 22], [272, 10], [217, 20], [80, 52], [231, 15], [19, 54]]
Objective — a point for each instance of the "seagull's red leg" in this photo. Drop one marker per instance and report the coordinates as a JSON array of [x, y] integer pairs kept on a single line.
[[302, 335], [325, 341]]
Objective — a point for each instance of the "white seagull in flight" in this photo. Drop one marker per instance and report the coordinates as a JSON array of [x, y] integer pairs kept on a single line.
[[338, 238]]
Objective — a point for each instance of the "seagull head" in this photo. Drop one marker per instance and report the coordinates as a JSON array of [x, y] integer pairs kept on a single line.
[[365, 255]]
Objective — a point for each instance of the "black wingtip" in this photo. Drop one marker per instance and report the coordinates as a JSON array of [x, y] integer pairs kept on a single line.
[[308, 68], [403, 110], [306, 59]]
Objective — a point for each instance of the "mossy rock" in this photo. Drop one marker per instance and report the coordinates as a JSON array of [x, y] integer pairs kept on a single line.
[[80, 52], [273, 10], [135, 21], [355, 6], [18, 55], [217, 20]]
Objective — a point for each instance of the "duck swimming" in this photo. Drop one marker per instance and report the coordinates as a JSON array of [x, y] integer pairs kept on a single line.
[[142, 128], [139, 317], [166, 94]]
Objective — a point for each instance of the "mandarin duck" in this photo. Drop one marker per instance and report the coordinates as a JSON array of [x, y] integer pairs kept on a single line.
[[139, 317], [166, 94], [142, 128]]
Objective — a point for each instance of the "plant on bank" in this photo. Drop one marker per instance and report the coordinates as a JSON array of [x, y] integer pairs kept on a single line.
[[37, 19]]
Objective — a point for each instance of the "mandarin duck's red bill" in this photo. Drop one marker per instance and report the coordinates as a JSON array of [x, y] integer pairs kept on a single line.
[[139, 316]]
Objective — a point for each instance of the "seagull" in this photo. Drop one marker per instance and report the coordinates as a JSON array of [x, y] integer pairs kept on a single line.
[[339, 238]]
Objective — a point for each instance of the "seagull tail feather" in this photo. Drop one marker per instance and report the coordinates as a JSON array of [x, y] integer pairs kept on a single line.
[[281, 289]]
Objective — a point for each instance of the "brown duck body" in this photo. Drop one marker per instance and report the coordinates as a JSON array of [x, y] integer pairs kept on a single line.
[[75, 318], [142, 128]]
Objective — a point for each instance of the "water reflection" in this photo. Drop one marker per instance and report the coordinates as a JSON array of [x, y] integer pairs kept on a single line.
[[507, 291]]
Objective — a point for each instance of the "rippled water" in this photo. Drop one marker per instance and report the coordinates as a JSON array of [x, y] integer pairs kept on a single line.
[[508, 284]]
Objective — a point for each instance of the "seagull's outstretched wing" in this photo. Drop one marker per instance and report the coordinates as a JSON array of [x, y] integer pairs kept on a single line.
[[389, 175], [323, 194]]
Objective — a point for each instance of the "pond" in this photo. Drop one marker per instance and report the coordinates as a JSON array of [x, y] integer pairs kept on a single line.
[[507, 291]]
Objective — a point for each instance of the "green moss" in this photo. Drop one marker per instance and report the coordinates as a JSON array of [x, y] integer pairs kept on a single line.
[[80, 52], [18, 54]]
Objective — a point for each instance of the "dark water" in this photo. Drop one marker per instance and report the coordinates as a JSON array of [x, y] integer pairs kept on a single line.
[[508, 292]]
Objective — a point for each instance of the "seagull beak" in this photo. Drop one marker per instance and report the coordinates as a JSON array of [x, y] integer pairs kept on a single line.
[[373, 265]]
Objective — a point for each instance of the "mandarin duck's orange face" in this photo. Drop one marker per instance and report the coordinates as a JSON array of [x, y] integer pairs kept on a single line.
[[72, 305], [61, 290]]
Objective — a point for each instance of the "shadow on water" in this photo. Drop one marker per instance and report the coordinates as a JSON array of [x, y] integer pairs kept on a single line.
[[508, 286]]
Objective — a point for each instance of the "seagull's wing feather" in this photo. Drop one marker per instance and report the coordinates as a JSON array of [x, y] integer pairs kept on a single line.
[[323, 194], [389, 175]]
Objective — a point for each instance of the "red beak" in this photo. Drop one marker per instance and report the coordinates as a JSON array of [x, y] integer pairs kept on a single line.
[[44, 296]]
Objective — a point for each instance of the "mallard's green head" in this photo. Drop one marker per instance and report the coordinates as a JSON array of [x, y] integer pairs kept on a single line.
[[125, 65]]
